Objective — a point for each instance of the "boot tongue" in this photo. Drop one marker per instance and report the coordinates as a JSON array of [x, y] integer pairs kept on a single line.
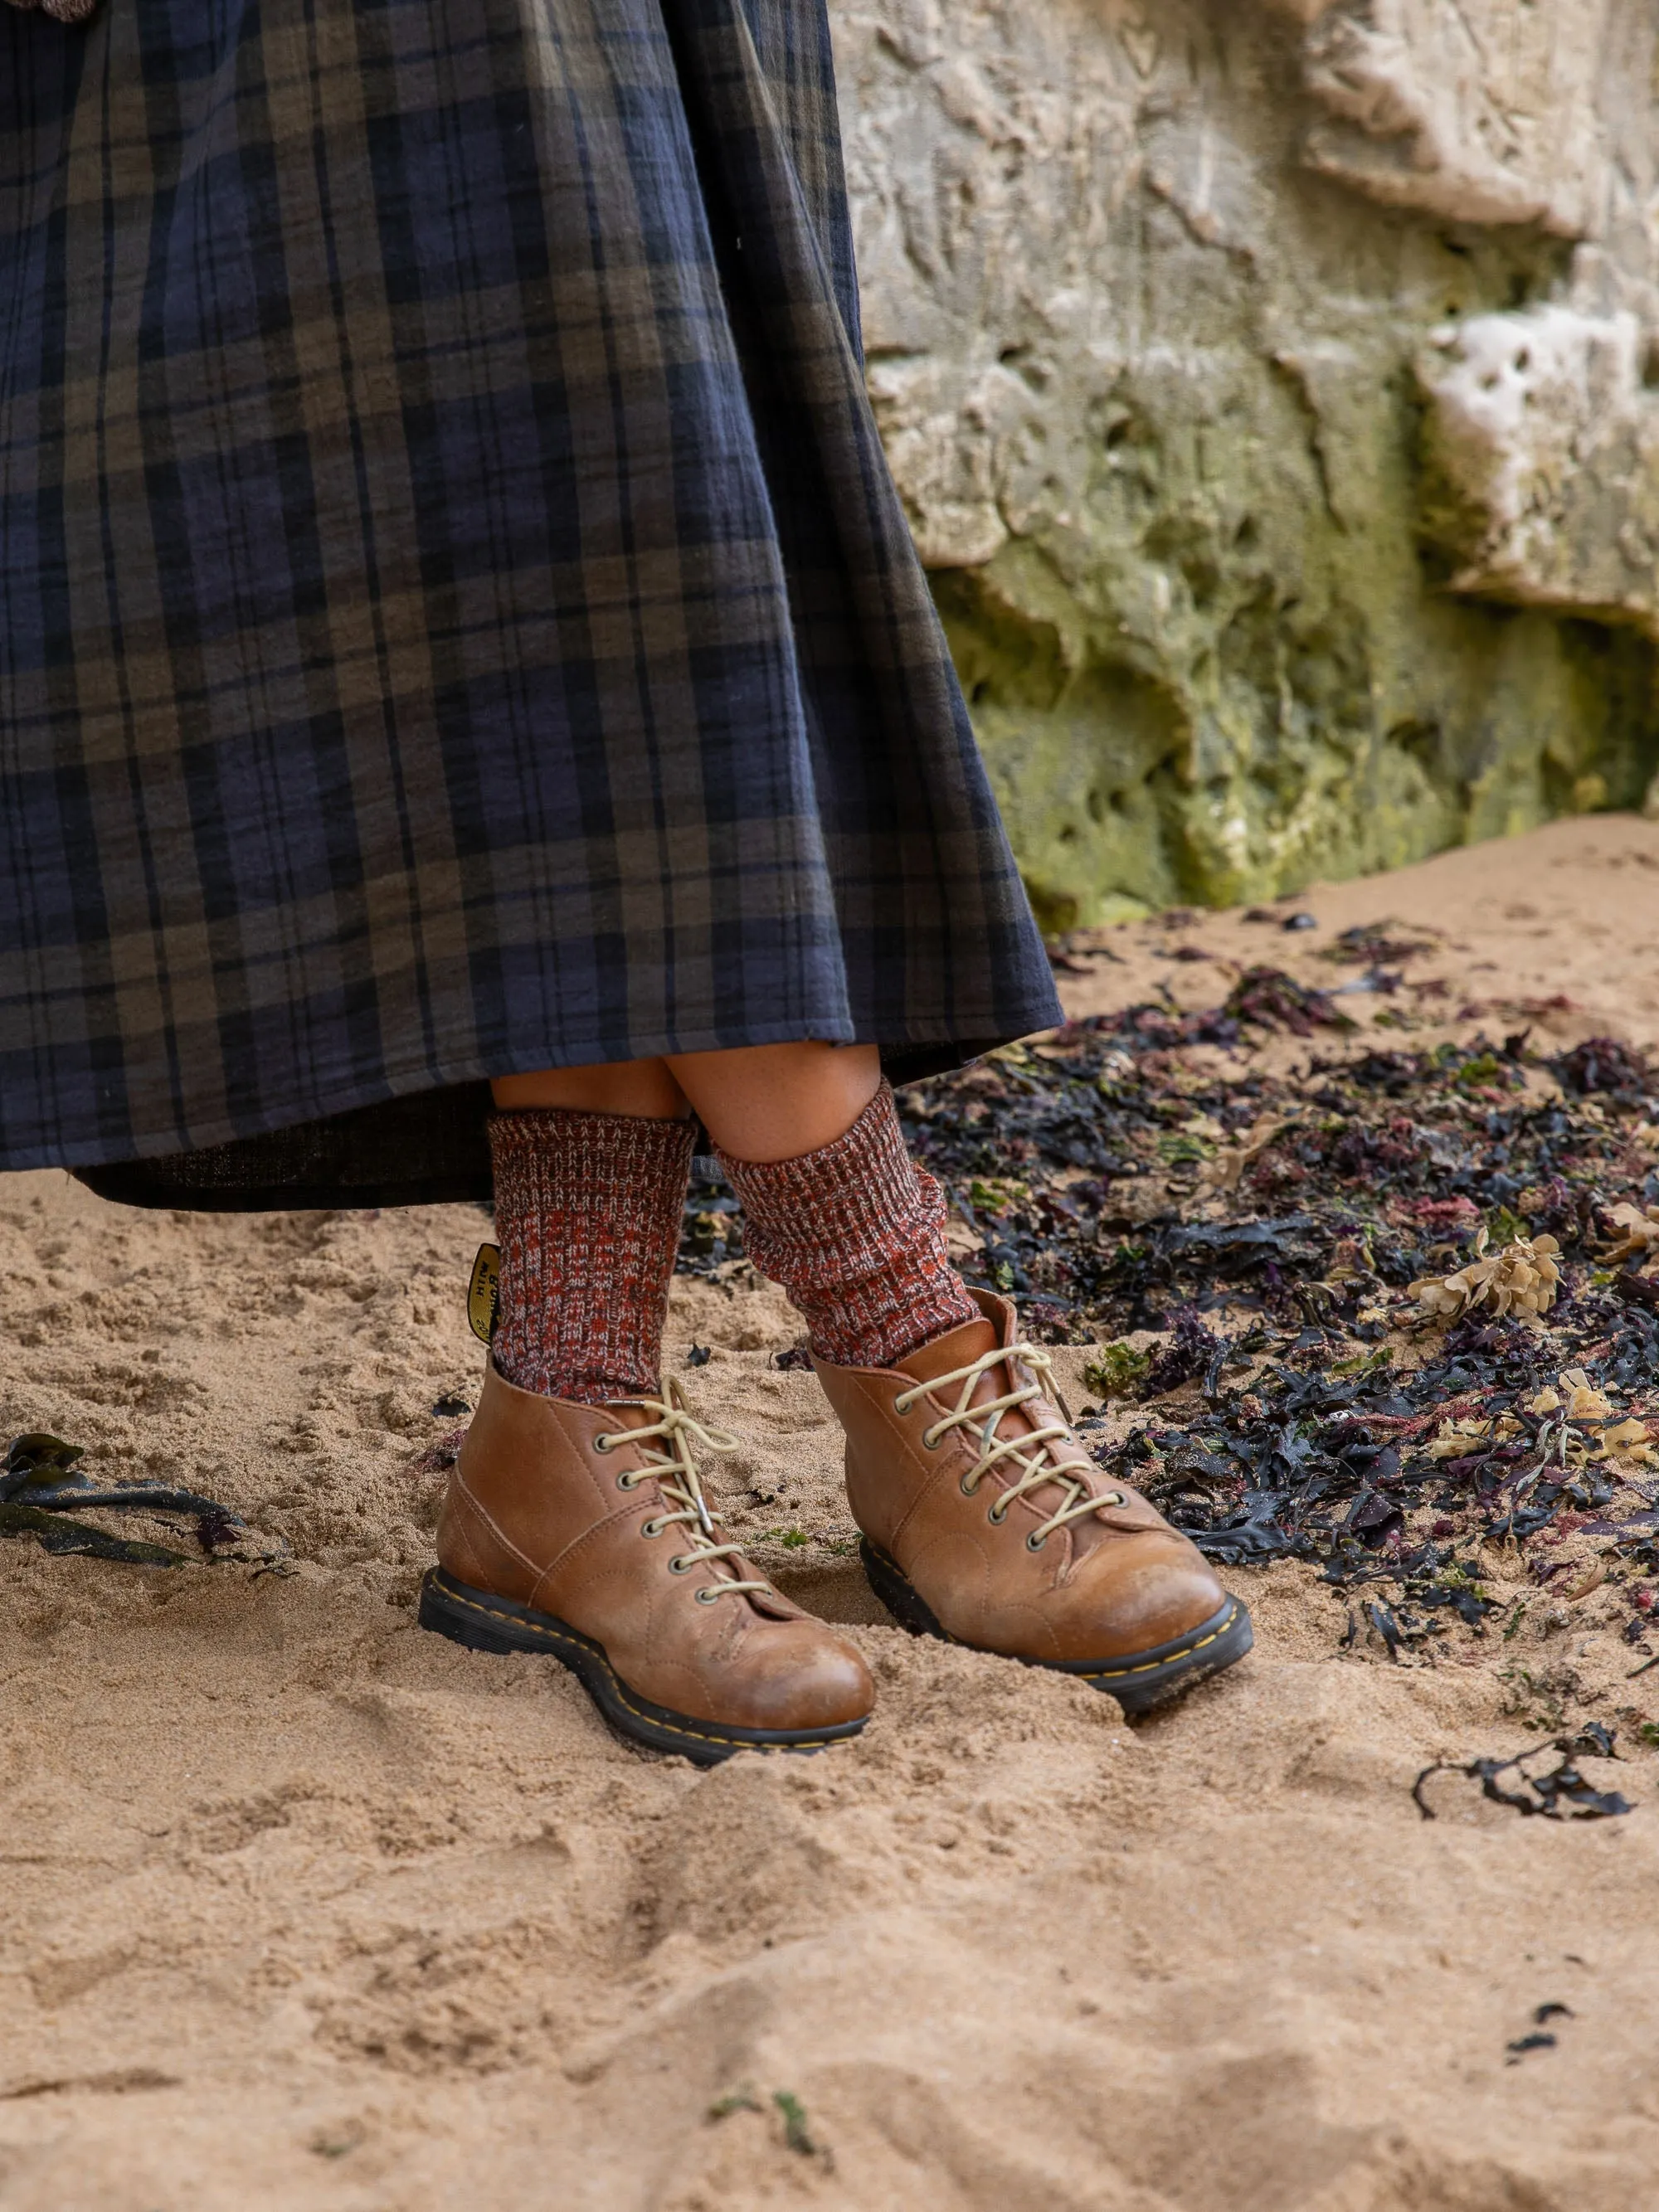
[[944, 1354], [631, 1414]]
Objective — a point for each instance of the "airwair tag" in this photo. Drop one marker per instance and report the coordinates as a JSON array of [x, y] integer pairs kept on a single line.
[[483, 1292]]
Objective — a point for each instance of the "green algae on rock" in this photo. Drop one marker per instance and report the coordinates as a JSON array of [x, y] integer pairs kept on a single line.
[[1165, 313]]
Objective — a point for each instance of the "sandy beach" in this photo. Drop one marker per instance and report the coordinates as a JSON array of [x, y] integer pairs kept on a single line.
[[310, 1909]]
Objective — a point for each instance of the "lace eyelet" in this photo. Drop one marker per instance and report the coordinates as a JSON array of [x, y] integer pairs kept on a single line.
[[930, 1439], [651, 1527], [994, 1516], [1033, 1542], [603, 1443], [707, 1597], [629, 1478], [967, 1485], [679, 1564]]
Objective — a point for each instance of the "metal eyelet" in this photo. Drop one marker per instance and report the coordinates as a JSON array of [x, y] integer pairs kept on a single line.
[[605, 1443], [930, 1440], [967, 1486], [707, 1597], [1033, 1542], [630, 1479], [996, 1515], [679, 1564], [651, 1527]]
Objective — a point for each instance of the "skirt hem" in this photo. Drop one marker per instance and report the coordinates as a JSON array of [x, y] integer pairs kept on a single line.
[[422, 1148]]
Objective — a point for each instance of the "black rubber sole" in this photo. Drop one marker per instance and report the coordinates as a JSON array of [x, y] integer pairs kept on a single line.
[[484, 1622], [1138, 1680]]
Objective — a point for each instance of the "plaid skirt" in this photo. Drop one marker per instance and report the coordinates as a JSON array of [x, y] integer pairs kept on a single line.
[[455, 617]]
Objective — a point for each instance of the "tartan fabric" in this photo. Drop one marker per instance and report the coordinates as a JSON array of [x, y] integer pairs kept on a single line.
[[455, 616]]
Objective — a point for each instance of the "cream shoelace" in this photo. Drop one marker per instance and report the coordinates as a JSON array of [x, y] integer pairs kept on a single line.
[[1029, 1452], [674, 1469]]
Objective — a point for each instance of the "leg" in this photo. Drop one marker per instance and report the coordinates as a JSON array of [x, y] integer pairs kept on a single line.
[[766, 1101], [643, 1088], [576, 1523], [984, 1517], [834, 1207], [835, 1210], [591, 1168]]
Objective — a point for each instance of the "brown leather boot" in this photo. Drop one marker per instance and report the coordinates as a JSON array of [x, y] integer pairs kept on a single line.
[[582, 1531], [986, 1522]]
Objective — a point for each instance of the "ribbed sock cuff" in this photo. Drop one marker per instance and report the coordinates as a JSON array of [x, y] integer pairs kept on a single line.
[[855, 1234], [588, 1209]]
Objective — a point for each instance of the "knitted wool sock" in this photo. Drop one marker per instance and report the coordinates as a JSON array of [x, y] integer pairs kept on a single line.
[[855, 1234], [587, 1217]]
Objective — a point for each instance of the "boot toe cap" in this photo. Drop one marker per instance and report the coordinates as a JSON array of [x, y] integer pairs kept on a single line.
[[806, 1678], [1144, 1592]]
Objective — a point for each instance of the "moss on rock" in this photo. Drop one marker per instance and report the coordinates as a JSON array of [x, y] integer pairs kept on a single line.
[[1146, 370]]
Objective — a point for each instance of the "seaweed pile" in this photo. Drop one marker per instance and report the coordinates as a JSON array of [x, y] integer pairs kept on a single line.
[[1343, 1371], [1301, 1245]]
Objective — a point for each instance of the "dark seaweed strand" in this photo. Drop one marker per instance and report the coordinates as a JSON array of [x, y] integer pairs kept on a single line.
[[41, 1487]]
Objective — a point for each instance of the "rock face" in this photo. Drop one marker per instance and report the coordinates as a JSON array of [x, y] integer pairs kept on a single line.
[[1271, 384]]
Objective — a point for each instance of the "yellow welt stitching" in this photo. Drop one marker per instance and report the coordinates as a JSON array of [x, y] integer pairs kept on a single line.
[[1151, 1666], [453, 1596]]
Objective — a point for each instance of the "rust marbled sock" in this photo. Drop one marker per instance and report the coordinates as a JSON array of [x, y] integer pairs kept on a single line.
[[855, 1234], [587, 1217]]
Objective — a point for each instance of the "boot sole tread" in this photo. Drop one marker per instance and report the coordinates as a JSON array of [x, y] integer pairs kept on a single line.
[[483, 1622]]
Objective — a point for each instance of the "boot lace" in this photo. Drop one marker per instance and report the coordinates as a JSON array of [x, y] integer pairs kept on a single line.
[[667, 1442], [1030, 1453]]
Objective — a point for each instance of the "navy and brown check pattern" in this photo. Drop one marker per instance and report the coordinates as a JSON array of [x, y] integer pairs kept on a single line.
[[455, 617]]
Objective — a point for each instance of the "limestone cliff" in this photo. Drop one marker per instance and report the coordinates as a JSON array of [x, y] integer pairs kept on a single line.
[[1271, 386]]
